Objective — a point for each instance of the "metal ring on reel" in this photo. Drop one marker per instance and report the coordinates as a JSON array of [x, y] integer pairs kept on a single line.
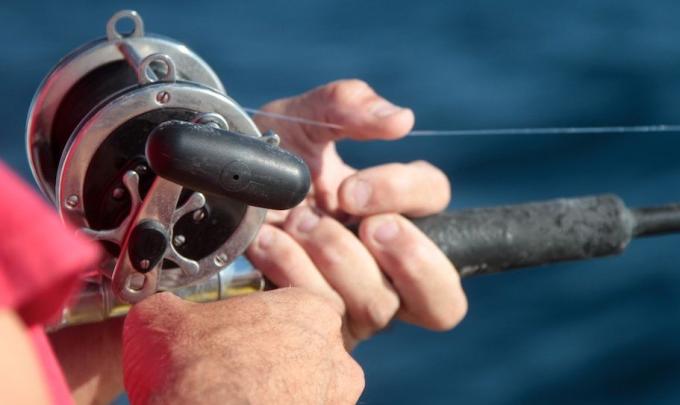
[[112, 32]]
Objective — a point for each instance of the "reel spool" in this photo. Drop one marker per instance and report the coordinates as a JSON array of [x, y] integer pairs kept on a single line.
[[87, 135]]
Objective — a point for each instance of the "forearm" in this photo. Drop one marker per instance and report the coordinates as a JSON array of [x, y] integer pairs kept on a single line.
[[91, 358]]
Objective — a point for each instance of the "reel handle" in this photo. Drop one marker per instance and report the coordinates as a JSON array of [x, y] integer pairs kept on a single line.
[[216, 161]]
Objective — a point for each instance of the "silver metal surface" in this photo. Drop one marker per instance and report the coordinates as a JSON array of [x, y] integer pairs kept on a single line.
[[271, 138], [171, 80], [179, 240], [86, 59], [159, 206], [116, 235], [96, 301], [87, 140], [212, 119], [146, 75], [112, 30]]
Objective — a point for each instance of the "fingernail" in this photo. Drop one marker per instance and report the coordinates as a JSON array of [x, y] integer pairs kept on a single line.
[[386, 231], [265, 239], [307, 221], [385, 109], [360, 192]]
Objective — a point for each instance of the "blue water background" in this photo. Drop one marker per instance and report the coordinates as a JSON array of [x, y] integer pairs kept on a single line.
[[604, 331]]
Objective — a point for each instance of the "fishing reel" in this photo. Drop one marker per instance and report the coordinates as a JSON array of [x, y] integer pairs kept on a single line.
[[135, 141]]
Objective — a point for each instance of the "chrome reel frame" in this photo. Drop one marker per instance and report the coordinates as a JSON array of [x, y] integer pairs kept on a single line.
[[169, 78]]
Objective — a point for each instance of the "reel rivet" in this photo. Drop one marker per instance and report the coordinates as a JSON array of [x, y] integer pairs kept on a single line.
[[221, 259], [118, 193], [141, 169], [198, 215], [163, 97], [72, 201], [178, 240], [271, 138]]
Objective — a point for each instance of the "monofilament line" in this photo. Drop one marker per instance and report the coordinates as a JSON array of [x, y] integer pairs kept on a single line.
[[548, 131], [290, 118], [493, 131]]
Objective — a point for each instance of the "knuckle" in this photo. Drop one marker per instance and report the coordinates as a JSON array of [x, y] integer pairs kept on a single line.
[[423, 164], [411, 261], [408, 272], [329, 259], [334, 248], [369, 225], [329, 318], [356, 377], [377, 313], [407, 254], [395, 184], [283, 252], [321, 308], [451, 315], [342, 91], [437, 179]]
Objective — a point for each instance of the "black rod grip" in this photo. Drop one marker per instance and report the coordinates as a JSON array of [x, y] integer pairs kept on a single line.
[[488, 240], [211, 160]]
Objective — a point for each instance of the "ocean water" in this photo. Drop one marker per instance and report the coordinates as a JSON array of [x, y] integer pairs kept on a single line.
[[598, 332]]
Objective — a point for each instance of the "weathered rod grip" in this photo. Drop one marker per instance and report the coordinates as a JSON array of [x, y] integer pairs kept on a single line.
[[488, 240]]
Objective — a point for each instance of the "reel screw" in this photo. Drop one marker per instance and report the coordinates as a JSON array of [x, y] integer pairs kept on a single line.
[[118, 193], [72, 201], [199, 215], [221, 259], [144, 264], [163, 97], [271, 138], [178, 240]]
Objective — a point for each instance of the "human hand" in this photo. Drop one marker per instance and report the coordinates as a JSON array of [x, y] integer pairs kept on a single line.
[[282, 346], [391, 269]]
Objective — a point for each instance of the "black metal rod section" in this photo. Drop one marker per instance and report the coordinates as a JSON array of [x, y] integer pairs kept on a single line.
[[488, 240], [656, 220]]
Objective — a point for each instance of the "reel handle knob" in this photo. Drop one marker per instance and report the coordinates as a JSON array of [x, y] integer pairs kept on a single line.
[[148, 243], [215, 161]]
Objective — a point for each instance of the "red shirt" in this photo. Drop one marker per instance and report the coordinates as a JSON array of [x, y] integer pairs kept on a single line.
[[41, 261]]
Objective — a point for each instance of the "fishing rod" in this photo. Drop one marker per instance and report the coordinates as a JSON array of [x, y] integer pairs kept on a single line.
[[135, 140]]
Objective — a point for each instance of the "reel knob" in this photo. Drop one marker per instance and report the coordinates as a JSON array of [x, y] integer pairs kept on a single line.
[[148, 243]]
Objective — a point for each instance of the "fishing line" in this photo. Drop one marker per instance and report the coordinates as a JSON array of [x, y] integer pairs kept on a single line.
[[492, 131], [290, 118]]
